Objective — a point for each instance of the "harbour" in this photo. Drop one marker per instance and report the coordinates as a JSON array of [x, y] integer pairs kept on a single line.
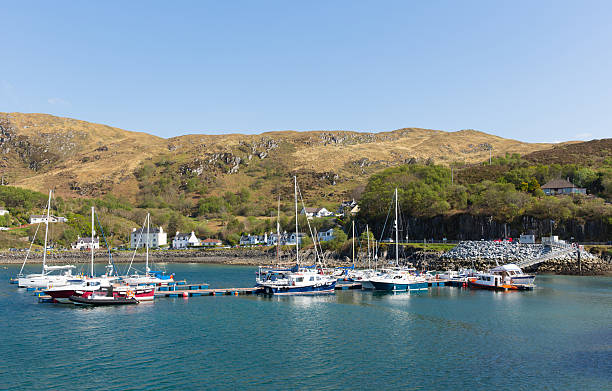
[[431, 337]]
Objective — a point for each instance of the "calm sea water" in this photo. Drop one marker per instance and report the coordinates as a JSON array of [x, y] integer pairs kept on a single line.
[[558, 337]]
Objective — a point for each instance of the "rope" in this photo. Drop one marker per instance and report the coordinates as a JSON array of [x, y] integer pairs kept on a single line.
[[127, 272], [110, 255]]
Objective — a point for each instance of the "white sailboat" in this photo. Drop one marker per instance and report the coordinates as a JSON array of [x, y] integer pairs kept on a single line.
[[299, 280], [149, 277], [397, 278], [50, 275]]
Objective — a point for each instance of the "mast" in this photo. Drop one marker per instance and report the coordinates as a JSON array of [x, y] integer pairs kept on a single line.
[[297, 239], [396, 232], [46, 232], [368, 236], [147, 243], [353, 244], [278, 232], [92, 241]]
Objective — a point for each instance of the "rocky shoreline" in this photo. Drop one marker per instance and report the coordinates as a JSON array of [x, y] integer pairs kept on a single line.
[[480, 255]]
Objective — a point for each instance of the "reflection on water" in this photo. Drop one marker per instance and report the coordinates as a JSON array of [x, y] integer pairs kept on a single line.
[[557, 336]]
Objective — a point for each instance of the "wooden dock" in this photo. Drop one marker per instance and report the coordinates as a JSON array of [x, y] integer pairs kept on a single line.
[[209, 292]]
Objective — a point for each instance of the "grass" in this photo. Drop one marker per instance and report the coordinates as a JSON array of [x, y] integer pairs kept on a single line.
[[432, 247], [97, 170]]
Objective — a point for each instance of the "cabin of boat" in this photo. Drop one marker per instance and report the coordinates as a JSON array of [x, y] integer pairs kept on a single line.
[[47, 278]]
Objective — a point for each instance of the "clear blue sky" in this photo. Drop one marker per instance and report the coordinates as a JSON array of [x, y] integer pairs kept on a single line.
[[530, 70]]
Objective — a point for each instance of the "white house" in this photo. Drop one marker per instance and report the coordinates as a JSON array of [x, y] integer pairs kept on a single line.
[[324, 236], [156, 237], [35, 219], [211, 242], [86, 243], [345, 205], [316, 212], [292, 237], [3, 212], [274, 238], [251, 240], [185, 240]]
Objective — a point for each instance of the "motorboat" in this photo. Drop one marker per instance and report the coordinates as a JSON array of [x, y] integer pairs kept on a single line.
[[102, 298], [504, 278]]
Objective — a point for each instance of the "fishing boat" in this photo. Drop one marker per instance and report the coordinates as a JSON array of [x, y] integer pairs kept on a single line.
[[299, 280], [50, 275], [103, 298], [503, 278]]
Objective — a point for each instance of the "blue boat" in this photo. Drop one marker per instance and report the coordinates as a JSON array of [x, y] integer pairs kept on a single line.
[[299, 280]]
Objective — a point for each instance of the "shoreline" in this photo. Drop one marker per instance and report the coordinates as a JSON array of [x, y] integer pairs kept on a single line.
[[258, 257]]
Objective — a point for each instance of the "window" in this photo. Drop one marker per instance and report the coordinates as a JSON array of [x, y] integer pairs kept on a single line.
[[312, 278], [299, 279]]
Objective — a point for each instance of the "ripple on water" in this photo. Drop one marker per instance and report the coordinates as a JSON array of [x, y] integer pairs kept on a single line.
[[556, 337]]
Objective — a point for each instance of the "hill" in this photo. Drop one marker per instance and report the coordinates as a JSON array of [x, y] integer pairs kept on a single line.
[[82, 159]]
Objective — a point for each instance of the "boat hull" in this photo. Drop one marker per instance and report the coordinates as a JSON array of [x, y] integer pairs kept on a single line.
[[299, 290], [398, 286], [503, 287], [367, 285], [102, 302]]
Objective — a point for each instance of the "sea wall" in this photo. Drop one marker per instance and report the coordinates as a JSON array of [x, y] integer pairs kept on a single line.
[[468, 227], [483, 255], [478, 254]]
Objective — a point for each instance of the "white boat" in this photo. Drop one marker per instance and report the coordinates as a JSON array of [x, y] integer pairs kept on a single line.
[[505, 277], [299, 280], [50, 275], [460, 275], [398, 278], [149, 277]]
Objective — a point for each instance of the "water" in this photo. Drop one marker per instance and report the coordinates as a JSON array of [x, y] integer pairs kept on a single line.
[[558, 337]]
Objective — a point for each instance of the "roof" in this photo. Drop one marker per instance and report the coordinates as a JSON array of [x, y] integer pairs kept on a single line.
[[88, 240], [558, 184], [145, 231], [507, 267], [211, 241], [182, 236]]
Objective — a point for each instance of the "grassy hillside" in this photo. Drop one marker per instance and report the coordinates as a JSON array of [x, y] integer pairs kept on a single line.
[[227, 184], [82, 159]]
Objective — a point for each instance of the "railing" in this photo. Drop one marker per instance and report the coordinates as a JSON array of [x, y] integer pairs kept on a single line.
[[546, 257]]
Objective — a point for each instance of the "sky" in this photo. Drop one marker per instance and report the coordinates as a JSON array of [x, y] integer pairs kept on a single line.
[[537, 71]]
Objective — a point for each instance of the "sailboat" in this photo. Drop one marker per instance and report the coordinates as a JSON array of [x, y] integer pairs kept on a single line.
[[91, 283], [397, 278], [50, 275], [150, 277], [299, 280]]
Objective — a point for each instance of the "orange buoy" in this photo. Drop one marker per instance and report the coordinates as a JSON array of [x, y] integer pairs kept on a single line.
[[185, 294]]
